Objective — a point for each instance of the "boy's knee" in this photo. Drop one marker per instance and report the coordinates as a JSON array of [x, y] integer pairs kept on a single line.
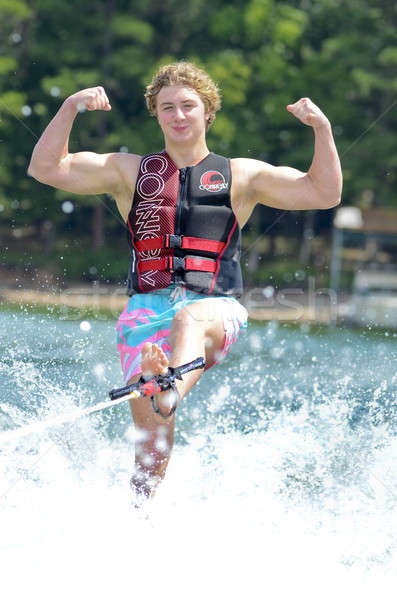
[[194, 315]]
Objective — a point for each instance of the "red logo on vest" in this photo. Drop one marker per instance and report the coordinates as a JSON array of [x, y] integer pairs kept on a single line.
[[212, 181]]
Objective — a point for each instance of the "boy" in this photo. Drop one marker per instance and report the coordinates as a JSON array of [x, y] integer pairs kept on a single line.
[[184, 208]]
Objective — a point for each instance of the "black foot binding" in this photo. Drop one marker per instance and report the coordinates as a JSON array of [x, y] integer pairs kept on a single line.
[[150, 386], [174, 392]]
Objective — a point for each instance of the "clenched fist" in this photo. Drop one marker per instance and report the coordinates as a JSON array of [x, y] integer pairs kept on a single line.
[[306, 111], [90, 99]]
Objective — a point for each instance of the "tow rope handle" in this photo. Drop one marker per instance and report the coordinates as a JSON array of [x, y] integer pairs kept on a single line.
[[158, 383]]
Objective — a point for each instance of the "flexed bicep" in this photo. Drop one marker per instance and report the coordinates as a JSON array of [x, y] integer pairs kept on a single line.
[[81, 172], [278, 187], [88, 173]]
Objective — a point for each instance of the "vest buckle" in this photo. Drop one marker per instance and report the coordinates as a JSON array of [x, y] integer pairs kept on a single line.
[[173, 241], [177, 262]]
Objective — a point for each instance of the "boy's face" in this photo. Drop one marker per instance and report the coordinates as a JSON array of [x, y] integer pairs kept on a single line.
[[181, 114]]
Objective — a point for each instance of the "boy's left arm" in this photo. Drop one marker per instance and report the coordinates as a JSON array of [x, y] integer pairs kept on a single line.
[[291, 189]]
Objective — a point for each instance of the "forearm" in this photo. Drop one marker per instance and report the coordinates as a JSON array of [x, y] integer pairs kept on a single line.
[[53, 145], [325, 171]]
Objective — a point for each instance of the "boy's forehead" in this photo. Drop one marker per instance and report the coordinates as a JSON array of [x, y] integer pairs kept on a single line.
[[172, 93]]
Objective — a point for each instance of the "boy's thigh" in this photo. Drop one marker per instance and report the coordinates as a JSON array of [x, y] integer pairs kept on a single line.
[[204, 315]]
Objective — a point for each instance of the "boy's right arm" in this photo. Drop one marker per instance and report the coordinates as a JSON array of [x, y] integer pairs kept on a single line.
[[83, 172]]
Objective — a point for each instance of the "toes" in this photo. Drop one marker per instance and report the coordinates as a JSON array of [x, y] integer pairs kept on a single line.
[[147, 348], [162, 359], [154, 360]]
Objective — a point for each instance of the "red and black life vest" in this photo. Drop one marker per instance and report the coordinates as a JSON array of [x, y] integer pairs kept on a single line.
[[182, 229]]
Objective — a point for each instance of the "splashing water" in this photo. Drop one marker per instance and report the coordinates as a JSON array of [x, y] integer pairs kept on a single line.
[[282, 480]]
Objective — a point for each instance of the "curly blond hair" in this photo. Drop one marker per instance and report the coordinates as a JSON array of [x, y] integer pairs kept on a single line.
[[187, 74]]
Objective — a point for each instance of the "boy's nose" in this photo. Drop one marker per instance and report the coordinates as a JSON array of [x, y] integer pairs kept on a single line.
[[179, 114]]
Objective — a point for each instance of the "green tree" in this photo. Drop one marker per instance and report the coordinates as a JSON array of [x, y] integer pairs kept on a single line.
[[263, 53]]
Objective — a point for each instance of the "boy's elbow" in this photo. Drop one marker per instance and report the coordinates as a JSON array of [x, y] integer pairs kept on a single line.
[[39, 173], [325, 201], [33, 171], [331, 197], [335, 201]]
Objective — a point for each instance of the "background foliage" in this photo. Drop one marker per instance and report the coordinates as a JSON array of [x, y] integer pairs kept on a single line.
[[263, 53]]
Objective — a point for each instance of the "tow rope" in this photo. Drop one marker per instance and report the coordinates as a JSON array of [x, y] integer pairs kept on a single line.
[[143, 387]]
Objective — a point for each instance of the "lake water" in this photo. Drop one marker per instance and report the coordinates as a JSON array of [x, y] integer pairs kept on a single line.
[[283, 480]]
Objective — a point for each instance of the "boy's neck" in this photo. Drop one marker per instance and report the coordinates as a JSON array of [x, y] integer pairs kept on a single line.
[[186, 156]]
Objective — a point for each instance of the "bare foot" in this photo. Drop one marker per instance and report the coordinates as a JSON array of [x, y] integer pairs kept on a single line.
[[155, 362]]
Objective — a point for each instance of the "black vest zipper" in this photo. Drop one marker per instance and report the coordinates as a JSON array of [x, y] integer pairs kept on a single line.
[[182, 195]]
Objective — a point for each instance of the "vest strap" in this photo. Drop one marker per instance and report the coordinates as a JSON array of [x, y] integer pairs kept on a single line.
[[182, 242], [176, 263]]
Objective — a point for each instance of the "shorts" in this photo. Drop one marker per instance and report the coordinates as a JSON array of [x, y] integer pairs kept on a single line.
[[148, 318]]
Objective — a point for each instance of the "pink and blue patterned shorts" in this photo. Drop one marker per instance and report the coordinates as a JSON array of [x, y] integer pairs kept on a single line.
[[148, 318]]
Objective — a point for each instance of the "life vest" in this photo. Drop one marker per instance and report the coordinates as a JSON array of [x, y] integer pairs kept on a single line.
[[182, 229]]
